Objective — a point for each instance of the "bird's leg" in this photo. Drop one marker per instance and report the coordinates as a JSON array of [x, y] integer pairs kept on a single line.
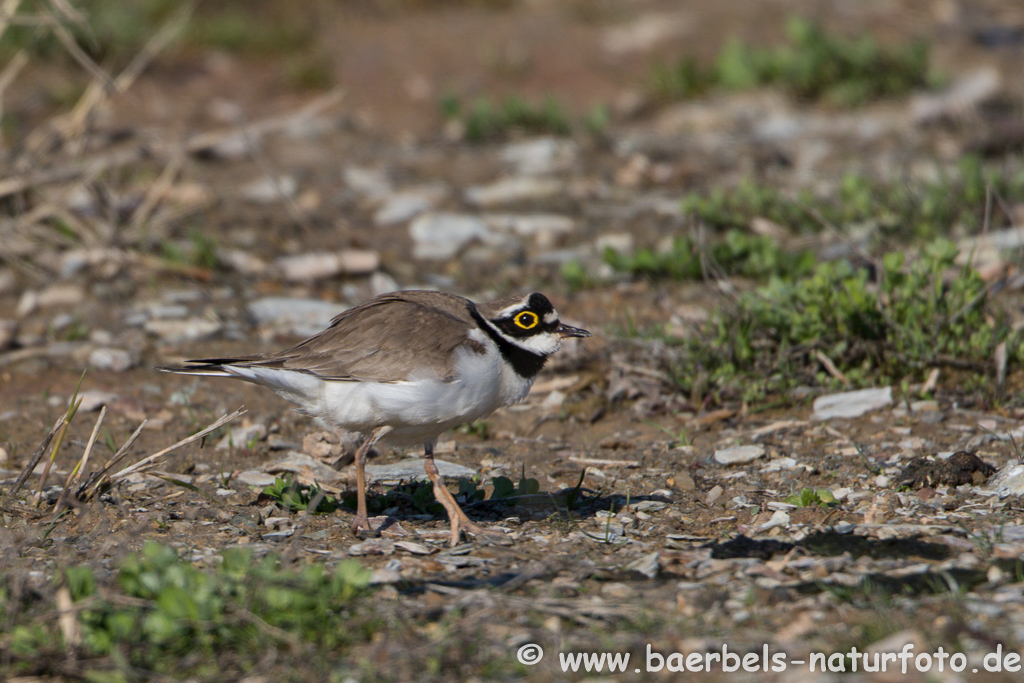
[[361, 521], [457, 517]]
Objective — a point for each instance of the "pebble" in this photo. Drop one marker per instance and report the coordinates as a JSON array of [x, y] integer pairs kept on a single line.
[[94, 399], [412, 469], [442, 235], [254, 478], [296, 462], [405, 205], [779, 518], [368, 182], [269, 190], [714, 494], [545, 229], [539, 156], [512, 190], [737, 455], [1009, 481], [321, 265], [107, 358], [303, 317], [959, 99], [60, 295], [240, 437], [180, 331], [851, 404]]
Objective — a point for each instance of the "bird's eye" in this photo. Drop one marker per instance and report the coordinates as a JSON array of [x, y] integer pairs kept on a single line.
[[527, 320]]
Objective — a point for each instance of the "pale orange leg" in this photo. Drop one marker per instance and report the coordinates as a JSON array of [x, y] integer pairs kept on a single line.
[[458, 518], [361, 521]]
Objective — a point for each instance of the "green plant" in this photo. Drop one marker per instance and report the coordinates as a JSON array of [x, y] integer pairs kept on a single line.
[[736, 253], [912, 319], [815, 65], [808, 497], [164, 614], [291, 495], [485, 120]]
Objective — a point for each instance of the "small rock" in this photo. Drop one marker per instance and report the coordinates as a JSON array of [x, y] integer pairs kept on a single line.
[[959, 99], [442, 235], [649, 565], [621, 242], [851, 403], [370, 183], [27, 303], [269, 190], [240, 437], [411, 469], [94, 399], [924, 406], [617, 591], [881, 481], [297, 462], [539, 156], [414, 548], [303, 317], [242, 261], [60, 295], [406, 205], [254, 478], [779, 518], [320, 266], [106, 358], [512, 190], [714, 494], [738, 455], [373, 546], [545, 229], [180, 331]]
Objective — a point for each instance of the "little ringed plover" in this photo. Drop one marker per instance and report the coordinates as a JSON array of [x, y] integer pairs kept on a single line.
[[405, 367]]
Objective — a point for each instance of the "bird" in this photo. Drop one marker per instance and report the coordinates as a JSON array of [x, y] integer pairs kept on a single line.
[[405, 367]]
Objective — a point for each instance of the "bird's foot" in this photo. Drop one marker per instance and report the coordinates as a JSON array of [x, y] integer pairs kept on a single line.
[[368, 525], [479, 533]]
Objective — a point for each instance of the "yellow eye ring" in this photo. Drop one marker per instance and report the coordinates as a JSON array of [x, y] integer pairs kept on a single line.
[[527, 320]]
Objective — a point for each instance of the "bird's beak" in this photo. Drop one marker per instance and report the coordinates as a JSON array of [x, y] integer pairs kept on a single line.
[[567, 331]]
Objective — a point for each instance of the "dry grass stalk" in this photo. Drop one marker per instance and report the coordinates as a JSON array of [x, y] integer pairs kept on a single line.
[[34, 460], [184, 442], [76, 472], [96, 479]]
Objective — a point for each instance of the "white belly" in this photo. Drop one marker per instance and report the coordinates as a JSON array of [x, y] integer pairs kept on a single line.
[[417, 410]]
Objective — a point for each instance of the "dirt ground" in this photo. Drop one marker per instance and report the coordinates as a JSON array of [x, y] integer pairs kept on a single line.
[[671, 548]]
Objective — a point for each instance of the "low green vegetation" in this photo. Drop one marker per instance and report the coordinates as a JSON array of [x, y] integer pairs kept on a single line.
[[901, 209], [914, 316], [291, 495], [486, 120], [164, 615], [113, 32], [808, 497], [736, 253], [814, 65]]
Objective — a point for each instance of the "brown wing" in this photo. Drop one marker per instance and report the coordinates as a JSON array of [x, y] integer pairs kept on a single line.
[[387, 339]]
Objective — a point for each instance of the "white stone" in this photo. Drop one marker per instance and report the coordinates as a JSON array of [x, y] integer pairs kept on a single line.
[[303, 317], [539, 155], [269, 190], [545, 229], [178, 331], [442, 235], [851, 403], [106, 358], [412, 469], [738, 455], [511, 190], [320, 265]]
